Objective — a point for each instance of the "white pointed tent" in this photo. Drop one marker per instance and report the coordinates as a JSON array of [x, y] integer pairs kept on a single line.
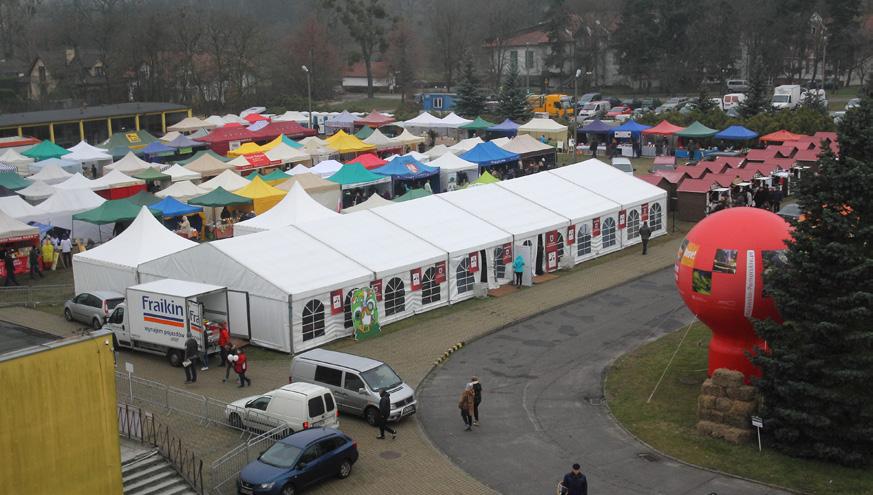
[[208, 166], [215, 120], [166, 138], [51, 174], [130, 164], [36, 191], [501, 141], [113, 265], [16, 207], [374, 201], [15, 159], [465, 145], [296, 207], [77, 181], [115, 178], [292, 116], [425, 120], [179, 173], [323, 191], [524, 144], [437, 151], [407, 138], [227, 180], [283, 153], [299, 169], [84, 152], [450, 165], [454, 121], [58, 210], [189, 124], [381, 141], [552, 130], [326, 168], [12, 229], [182, 190]]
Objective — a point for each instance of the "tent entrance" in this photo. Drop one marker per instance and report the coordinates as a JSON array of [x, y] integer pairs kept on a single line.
[[238, 321]]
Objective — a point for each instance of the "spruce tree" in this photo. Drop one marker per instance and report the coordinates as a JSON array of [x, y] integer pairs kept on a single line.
[[512, 101], [818, 367], [758, 97], [469, 102]]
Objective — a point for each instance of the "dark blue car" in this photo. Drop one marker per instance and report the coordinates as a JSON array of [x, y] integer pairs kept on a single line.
[[299, 460]]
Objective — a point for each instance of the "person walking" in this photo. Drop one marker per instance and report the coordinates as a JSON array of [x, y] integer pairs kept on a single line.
[[223, 340], [592, 147], [574, 482], [384, 413], [191, 357], [48, 254], [9, 264], [645, 235], [776, 199], [33, 259], [466, 405], [241, 365], [229, 352], [204, 349], [477, 399], [67, 251], [518, 269]]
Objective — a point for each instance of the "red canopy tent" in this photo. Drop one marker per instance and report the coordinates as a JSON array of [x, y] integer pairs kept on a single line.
[[368, 160], [663, 128], [291, 129], [254, 117], [780, 136], [375, 119], [219, 139]]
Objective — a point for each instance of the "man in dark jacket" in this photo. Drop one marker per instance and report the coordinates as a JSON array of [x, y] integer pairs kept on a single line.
[[384, 412], [645, 235], [575, 483], [9, 263], [191, 356], [33, 258], [776, 199], [477, 399]]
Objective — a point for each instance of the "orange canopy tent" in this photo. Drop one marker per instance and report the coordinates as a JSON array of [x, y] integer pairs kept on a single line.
[[663, 128], [368, 160], [780, 136]]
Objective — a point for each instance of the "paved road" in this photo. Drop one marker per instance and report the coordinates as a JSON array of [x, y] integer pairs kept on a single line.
[[542, 407]]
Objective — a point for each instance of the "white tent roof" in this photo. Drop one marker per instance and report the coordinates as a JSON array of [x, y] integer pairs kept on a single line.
[[228, 180], [451, 162], [179, 173], [312, 139], [84, 152], [115, 178], [296, 207], [381, 141], [465, 145], [191, 124], [524, 143], [170, 136], [299, 169], [234, 119], [437, 151], [178, 288], [374, 201], [12, 157], [610, 182], [561, 196], [286, 154], [51, 174], [16, 207], [419, 156], [77, 181], [129, 164], [292, 116], [542, 125], [454, 120], [10, 227], [215, 120], [444, 225], [182, 190], [36, 191], [501, 141], [408, 138], [505, 210], [207, 164], [374, 242], [425, 119], [326, 168], [69, 201]]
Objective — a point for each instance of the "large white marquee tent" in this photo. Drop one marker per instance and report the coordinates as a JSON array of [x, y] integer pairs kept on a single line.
[[296, 207]]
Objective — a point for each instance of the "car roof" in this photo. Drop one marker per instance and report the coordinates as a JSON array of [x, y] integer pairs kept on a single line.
[[105, 294], [304, 388], [305, 437], [358, 363]]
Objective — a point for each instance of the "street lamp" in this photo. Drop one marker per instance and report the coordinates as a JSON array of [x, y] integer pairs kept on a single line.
[[309, 93], [575, 85]]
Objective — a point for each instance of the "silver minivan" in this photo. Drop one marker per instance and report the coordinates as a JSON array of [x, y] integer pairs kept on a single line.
[[355, 382]]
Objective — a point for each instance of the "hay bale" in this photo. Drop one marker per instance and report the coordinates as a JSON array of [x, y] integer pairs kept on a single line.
[[705, 427], [706, 402], [722, 404], [712, 415], [743, 392], [743, 408], [727, 378], [719, 430], [708, 388], [736, 435], [742, 422]]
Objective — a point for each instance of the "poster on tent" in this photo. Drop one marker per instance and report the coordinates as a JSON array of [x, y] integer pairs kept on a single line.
[[595, 227], [440, 272], [415, 277], [551, 250], [644, 212], [571, 235], [622, 217], [507, 253], [474, 261], [336, 302], [365, 313], [376, 285]]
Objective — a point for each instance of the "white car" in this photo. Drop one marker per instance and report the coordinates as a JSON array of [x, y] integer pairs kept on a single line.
[[299, 405], [623, 164]]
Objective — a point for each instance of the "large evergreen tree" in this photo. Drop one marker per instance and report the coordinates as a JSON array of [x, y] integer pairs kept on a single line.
[[470, 102], [758, 97], [818, 370], [512, 101]]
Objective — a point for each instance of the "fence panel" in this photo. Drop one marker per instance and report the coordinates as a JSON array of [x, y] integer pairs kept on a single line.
[[224, 471], [150, 392], [32, 296]]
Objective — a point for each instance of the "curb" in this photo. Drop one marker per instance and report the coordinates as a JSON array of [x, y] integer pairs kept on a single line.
[[446, 355]]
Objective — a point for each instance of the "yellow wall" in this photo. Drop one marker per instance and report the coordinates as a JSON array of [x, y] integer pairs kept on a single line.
[[59, 429]]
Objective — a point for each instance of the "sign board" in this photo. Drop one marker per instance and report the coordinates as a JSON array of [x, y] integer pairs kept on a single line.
[[507, 253], [644, 212], [376, 285], [336, 302], [622, 219], [440, 272], [128, 367], [474, 262], [415, 279], [595, 227], [571, 235], [132, 137], [365, 313], [195, 316], [757, 422], [622, 134]]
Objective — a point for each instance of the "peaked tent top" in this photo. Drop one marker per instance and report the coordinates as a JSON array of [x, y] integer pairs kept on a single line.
[[364, 132], [596, 126], [342, 120], [257, 189], [130, 163], [542, 125], [477, 125], [150, 173], [200, 154], [375, 119], [506, 125], [115, 178], [143, 198], [226, 180], [632, 126], [736, 133], [778, 136], [697, 130], [465, 145], [412, 194], [454, 120], [11, 229], [524, 143], [487, 154], [663, 128], [172, 207], [207, 165], [37, 190], [310, 182], [345, 143], [425, 119], [374, 201], [220, 197], [296, 207], [76, 181], [451, 162], [407, 138], [44, 150], [191, 124], [157, 148], [178, 172], [84, 152], [406, 167], [11, 156], [183, 141], [51, 174], [368, 160], [13, 182], [116, 210], [16, 207], [355, 175]]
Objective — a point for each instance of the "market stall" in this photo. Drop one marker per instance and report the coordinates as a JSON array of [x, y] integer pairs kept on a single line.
[[343, 121], [130, 164], [507, 128], [263, 195], [220, 223], [408, 173], [368, 160], [117, 185], [546, 130], [51, 174], [69, 166], [227, 180], [16, 207], [488, 154], [44, 151], [358, 183], [383, 143], [629, 138], [455, 172], [182, 218], [476, 127], [296, 207], [182, 190], [15, 159], [19, 238], [326, 168]]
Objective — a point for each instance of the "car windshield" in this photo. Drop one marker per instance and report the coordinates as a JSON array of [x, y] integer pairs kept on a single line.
[[781, 98], [381, 377], [590, 106], [112, 303], [281, 455]]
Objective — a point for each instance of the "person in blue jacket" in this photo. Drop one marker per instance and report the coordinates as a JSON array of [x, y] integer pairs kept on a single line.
[[518, 268], [574, 483]]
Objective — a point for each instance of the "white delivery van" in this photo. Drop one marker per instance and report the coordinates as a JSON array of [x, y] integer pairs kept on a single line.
[[786, 96], [157, 317], [732, 100], [299, 405], [593, 110]]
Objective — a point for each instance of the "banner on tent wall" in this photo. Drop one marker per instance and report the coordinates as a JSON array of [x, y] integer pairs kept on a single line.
[[571, 235], [622, 216], [376, 285], [551, 250], [644, 212], [336, 302], [440, 272], [365, 313], [474, 262], [415, 277], [507, 253], [595, 227], [255, 160]]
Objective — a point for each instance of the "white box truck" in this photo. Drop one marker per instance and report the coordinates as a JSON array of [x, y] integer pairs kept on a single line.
[[157, 317], [786, 96]]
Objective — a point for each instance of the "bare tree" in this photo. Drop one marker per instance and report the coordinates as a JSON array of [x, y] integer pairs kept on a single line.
[[450, 29], [367, 22]]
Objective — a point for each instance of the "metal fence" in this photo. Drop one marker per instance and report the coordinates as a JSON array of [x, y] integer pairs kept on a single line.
[[224, 471], [33, 296]]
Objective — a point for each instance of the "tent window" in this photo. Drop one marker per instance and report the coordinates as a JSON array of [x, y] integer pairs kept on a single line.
[[395, 297], [499, 266], [608, 232], [347, 310], [583, 241], [430, 290], [560, 246], [464, 276], [313, 320], [633, 224], [655, 217]]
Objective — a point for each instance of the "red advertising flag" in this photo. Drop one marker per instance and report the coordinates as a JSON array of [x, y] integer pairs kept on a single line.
[[474, 262], [551, 237], [376, 285], [571, 235], [507, 253], [336, 302], [622, 217], [644, 212], [595, 227], [551, 257], [440, 272], [415, 277]]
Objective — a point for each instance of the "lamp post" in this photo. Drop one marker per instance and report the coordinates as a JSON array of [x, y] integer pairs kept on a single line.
[[309, 92], [575, 85]]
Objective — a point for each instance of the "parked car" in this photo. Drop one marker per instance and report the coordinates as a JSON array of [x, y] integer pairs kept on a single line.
[[671, 104], [853, 103], [300, 405], [650, 103], [790, 212], [738, 85], [93, 307], [298, 461], [615, 112], [732, 100], [587, 97], [593, 110], [356, 382], [623, 164]]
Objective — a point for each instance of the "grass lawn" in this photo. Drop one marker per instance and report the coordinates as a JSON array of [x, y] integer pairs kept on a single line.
[[668, 422]]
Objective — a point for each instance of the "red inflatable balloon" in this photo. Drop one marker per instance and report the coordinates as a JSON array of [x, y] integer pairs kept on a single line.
[[719, 273]]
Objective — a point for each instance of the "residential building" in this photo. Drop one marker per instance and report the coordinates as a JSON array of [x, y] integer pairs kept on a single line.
[[355, 76]]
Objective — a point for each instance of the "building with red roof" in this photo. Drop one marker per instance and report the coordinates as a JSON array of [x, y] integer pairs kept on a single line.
[[355, 76], [761, 155], [694, 172]]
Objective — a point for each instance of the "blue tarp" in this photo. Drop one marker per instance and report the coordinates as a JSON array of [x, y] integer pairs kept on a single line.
[[595, 127], [184, 142], [70, 166], [406, 167], [172, 207], [736, 133], [632, 126], [488, 153], [156, 148], [505, 128]]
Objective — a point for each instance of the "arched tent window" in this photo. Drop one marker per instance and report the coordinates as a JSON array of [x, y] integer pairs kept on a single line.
[[347, 310], [464, 277], [430, 289], [499, 265], [560, 246], [583, 240], [607, 232], [655, 217], [395, 297], [313, 320], [633, 224]]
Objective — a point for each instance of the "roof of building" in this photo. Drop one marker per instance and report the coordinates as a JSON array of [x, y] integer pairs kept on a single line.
[[380, 70], [95, 112]]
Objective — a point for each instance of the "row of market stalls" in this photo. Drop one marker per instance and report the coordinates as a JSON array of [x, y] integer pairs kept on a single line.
[[295, 265]]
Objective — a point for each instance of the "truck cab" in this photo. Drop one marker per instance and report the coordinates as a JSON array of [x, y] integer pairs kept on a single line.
[[556, 105], [786, 96]]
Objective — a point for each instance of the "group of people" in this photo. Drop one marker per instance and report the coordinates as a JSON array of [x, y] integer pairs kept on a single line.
[[765, 197], [232, 357]]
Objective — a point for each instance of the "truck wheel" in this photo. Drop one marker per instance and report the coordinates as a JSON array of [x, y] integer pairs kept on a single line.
[[235, 421], [372, 416], [96, 324], [175, 358], [68, 315]]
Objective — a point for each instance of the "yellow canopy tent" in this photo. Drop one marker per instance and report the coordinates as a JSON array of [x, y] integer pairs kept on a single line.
[[272, 144], [345, 143], [245, 149], [263, 195]]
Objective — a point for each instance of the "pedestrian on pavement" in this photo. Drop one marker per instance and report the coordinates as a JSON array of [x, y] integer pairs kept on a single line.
[[67, 251], [229, 352], [477, 399], [384, 413], [518, 269], [466, 405], [574, 483], [593, 148], [191, 359], [9, 263], [33, 259], [645, 235], [776, 199], [204, 349], [241, 365], [223, 340]]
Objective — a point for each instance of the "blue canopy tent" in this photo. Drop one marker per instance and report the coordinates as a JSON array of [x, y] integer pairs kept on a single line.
[[595, 127], [157, 149], [182, 141], [403, 168], [507, 128], [736, 133], [487, 154], [632, 126], [172, 207]]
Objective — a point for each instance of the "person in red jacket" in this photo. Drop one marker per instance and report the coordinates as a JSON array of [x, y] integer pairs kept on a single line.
[[223, 339], [240, 365]]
